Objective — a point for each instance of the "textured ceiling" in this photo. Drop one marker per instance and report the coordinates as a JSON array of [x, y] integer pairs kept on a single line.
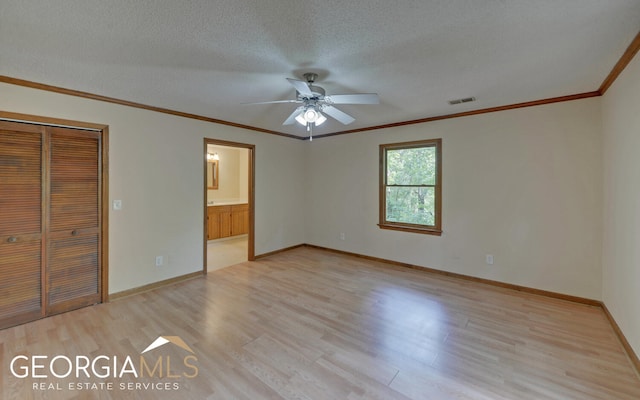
[[208, 57]]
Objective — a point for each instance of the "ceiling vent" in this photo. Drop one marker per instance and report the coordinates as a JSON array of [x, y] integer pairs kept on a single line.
[[460, 101]]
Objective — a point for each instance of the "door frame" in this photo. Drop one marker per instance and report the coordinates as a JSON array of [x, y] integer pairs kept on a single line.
[[103, 198], [251, 194]]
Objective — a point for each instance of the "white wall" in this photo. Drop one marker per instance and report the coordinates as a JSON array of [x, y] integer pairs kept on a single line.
[[243, 173], [621, 249], [157, 171], [524, 185]]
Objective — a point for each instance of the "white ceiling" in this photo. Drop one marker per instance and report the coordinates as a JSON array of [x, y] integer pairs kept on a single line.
[[208, 57]]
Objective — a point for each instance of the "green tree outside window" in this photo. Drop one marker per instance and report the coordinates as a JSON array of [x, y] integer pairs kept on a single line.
[[410, 186]]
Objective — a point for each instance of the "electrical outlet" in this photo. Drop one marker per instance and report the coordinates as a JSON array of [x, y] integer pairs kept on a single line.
[[489, 259], [342, 236], [159, 261]]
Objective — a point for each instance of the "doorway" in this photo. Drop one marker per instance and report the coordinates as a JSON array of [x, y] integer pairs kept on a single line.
[[229, 171]]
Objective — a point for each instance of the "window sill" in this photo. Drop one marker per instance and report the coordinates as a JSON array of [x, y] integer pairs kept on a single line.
[[412, 228]]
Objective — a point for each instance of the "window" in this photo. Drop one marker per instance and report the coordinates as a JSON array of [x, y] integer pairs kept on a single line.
[[410, 186]]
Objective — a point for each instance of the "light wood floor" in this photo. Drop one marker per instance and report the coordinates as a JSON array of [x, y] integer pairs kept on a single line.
[[310, 324]]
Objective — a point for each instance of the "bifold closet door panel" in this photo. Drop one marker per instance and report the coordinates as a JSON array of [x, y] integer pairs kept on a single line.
[[20, 223], [73, 248]]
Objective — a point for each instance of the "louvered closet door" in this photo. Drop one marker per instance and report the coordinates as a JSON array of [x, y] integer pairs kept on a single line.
[[20, 223], [73, 244]]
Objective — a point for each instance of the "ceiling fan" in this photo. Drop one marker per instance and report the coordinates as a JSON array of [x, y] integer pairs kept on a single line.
[[315, 103]]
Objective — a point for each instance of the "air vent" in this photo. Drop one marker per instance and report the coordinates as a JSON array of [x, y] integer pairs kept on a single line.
[[460, 101]]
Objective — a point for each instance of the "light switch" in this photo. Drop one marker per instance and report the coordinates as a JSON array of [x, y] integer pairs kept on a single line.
[[117, 205]]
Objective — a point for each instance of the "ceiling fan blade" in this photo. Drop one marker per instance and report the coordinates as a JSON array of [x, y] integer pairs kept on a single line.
[[338, 115], [301, 87], [356, 98], [292, 117], [273, 102]]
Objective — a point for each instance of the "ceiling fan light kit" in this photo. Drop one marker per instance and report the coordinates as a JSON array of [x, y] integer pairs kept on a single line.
[[315, 103], [311, 115]]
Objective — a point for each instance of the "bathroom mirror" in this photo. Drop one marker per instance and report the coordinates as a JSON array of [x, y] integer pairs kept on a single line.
[[212, 174]]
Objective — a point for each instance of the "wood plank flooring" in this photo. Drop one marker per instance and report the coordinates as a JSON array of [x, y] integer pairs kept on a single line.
[[311, 324]]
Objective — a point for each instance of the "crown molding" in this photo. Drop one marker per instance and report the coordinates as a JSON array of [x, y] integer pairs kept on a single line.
[[93, 96], [469, 113], [622, 63]]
